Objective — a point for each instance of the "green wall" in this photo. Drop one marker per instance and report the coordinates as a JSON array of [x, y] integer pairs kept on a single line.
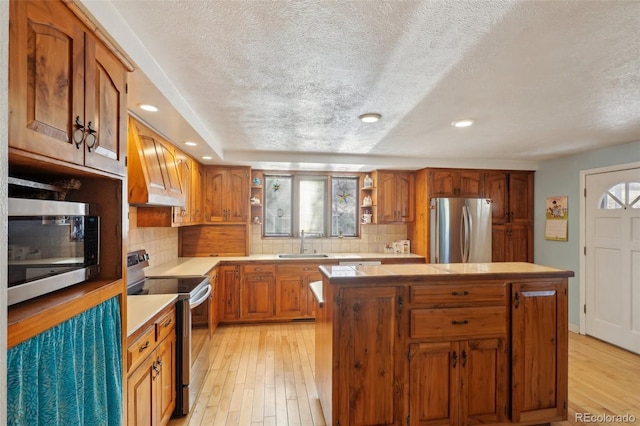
[[561, 176]]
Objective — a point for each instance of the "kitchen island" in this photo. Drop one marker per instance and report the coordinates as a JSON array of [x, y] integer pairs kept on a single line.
[[446, 344]]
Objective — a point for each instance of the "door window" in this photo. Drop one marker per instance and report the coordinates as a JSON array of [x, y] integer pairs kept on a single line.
[[621, 196]]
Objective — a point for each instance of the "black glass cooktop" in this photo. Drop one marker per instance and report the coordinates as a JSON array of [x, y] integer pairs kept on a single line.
[[183, 286]]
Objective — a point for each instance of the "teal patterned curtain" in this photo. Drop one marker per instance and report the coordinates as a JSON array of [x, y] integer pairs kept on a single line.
[[69, 375]]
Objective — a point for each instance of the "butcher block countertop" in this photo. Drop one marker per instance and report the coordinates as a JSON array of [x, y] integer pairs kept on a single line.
[[142, 308], [441, 271]]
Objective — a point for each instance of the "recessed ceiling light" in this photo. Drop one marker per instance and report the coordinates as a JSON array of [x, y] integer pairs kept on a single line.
[[370, 117], [190, 143], [462, 123], [147, 107], [206, 157]]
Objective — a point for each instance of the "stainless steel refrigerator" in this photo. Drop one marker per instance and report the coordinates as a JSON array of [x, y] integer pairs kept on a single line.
[[460, 230]]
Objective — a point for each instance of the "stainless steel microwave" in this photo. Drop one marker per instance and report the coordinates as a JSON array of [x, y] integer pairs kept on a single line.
[[52, 245]]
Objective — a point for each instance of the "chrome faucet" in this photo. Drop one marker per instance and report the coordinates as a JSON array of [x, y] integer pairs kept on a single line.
[[302, 249]]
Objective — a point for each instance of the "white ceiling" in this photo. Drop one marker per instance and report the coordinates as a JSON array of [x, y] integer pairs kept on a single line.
[[281, 83]]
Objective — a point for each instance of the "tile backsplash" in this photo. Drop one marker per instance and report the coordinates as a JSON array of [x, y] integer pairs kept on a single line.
[[160, 243], [372, 240]]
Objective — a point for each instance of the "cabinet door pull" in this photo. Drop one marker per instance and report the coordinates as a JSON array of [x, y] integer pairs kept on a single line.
[[454, 359], [78, 133], [463, 322], [459, 293], [464, 358], [516, 300], [167, 323], [143, 347], [91, 139]]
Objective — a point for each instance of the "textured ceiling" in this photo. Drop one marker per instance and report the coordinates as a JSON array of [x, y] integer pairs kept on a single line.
[[283, 82]]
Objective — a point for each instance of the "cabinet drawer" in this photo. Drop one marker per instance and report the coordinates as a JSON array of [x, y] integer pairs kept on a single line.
[[141, 347], [165, 325], [297, 269], [459, 323], [258, 269], [452, 295]]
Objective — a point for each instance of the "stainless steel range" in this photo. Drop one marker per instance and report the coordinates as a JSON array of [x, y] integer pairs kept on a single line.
[[193, 311]]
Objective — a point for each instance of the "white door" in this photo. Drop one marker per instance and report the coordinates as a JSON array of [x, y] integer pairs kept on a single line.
[[613, 257]]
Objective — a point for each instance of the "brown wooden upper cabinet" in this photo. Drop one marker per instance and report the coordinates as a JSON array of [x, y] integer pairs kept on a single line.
[[153, 169], [197, 180], [456, 183], [226, 194], [396, 196], [67, 91], [511, 194], [184, 165]]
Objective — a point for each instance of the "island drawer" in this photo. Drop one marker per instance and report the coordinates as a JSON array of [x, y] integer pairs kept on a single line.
[[458, 323], [141, 347], [165, 325], [258, 269], [459, 295]]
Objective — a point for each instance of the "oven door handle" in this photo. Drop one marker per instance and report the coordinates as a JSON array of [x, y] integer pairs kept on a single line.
[[197, 301]]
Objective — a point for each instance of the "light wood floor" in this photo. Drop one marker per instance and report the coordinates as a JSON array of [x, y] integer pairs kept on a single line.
[[263, 375]]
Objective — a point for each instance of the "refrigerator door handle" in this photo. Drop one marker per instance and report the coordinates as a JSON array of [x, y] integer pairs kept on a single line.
[[437, 229], [465, 234], [463, 237]]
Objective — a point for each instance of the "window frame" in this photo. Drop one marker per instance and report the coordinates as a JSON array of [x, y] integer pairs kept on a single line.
[[328, 206]]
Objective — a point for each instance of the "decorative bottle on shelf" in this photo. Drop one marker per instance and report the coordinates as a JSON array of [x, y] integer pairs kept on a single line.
[[368, 182]]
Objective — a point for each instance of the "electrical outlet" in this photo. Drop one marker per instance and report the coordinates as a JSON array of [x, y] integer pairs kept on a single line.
[[378, 238]]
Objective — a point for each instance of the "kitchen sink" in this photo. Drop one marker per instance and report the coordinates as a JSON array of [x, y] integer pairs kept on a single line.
[[303, 256]]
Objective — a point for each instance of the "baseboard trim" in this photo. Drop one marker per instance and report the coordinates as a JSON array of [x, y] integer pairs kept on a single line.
[[574, 328]]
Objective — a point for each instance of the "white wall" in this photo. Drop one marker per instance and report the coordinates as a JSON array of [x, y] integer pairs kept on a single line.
[[561, 176], [4, 172]]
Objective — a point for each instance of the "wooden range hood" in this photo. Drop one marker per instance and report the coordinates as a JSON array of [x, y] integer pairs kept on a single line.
[[153, 178]]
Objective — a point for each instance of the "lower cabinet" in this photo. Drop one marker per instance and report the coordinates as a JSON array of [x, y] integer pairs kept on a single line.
[[256, 296], [151, 383], [266, 291], [368, 345], [213, 311], [458, 383], [228, 293], [511, 243], [540, 351], [293, 294]]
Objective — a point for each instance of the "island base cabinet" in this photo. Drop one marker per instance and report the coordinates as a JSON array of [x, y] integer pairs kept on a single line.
[[484, 346], [368, 341], [458, 383], [539, 351]]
